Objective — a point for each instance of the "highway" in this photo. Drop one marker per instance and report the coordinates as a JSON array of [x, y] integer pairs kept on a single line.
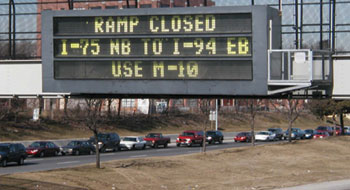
[[57, 162]]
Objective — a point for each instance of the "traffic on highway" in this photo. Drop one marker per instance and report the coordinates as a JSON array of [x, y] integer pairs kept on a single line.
[[46, 155]]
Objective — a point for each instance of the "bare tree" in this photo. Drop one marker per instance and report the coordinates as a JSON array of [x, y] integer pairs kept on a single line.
[[252, 104], [88, 114], [293, 110], [93, 118]]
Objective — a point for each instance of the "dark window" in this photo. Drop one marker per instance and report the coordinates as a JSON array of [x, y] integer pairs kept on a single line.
[[98, 7], [146, 6], [164, 5], [111, 7]]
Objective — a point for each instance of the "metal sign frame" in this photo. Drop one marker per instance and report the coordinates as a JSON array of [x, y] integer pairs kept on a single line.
[[180, 88]]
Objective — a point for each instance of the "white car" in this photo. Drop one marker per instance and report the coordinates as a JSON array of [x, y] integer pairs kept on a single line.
[[132, 142], [265, 136]]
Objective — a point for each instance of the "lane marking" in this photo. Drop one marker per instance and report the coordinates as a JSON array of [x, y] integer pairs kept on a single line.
[[71, 162], [138, 156]]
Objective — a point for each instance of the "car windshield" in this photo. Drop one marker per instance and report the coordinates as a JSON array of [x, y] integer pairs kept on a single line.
[[309, 131], [4, 149], [321, 128], [74, 143], [211, 133], [320, 133], [187, 134], [242, 134], [152, 135], [37, 144], [132, 139], [263, 133], [272, 130], [102, 136]]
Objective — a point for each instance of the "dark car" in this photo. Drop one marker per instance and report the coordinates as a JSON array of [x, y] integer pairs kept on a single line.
[[43, 148], [278, 132], [12, 153], [107, 141], [327, 129], [214, 136], [296, 134], [78, 147], [309, 133], [243, 137]]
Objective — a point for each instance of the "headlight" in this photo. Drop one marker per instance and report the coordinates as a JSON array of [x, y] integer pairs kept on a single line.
[[0, 156], [209, 138], [34, 150], [100, 143], [188, 140], [321, 137], [177, 139]]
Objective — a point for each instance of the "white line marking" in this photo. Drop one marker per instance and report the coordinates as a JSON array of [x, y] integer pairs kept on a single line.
[[41, 159], [71, 162], [138, 156]]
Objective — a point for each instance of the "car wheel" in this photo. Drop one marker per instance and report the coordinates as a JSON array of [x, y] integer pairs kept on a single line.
[[42, 154], [21, 161], [189, 145], [221, 141], [4, 163], [178, 144], [91, 152], [56, 153], [165, 145], [133, 147], [77, 153], [144, 147], [156, 145]]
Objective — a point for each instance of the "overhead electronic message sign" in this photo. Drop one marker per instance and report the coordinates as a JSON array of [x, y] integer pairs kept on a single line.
[[168, 51]]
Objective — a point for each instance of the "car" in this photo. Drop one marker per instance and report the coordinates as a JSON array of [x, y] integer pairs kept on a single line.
[[214, 136], [327, 129], [190, 138], [132, 143], [106, 141], [156, 139], [243, 137], [309, 133], [337, 131], [321, 135], [77, 148], [346, 130], [265, 136], [43, 148], [296, 134], [12, 152], [278, 132]]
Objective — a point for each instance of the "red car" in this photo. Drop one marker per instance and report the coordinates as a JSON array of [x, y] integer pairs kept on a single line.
[[243, 137], [337, 131], [321, 135], [327, 129], [155, 139], [190, 137], [43, 148]]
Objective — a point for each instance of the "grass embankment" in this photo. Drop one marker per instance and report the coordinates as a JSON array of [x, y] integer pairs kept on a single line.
[[262, 167], [142, 124]]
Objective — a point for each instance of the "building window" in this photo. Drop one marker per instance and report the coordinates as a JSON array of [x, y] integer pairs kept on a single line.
[[128, 103], [146, 6], [111, 7], [93, 8]]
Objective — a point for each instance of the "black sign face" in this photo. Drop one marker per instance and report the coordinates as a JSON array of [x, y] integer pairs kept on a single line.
[[208, 36], [154, 24], [170, 70], [154, 47], [209, 51]]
